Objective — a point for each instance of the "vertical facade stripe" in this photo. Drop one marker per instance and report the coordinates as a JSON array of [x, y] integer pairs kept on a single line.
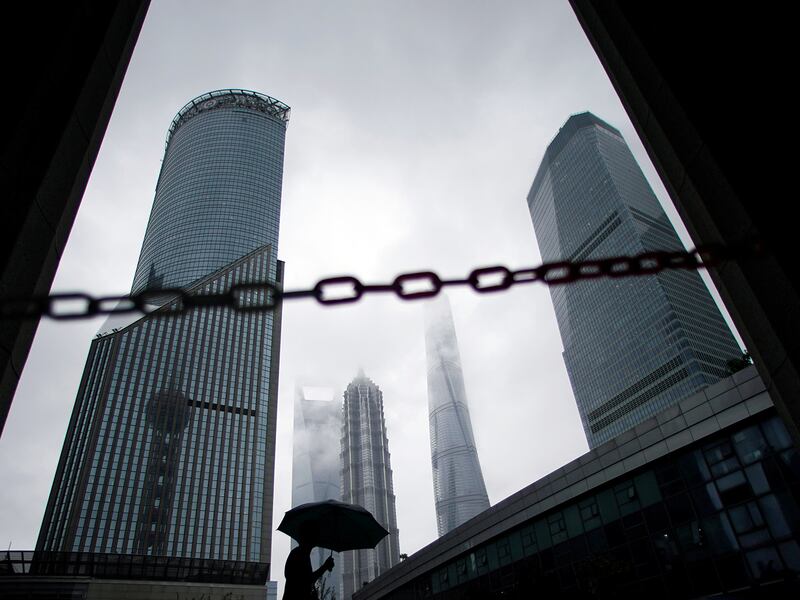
[[367, 480], [161, 377]]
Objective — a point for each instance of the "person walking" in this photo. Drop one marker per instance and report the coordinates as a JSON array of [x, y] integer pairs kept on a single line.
[[300, 577]]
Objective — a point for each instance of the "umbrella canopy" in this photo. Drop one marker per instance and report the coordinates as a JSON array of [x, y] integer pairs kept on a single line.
[[332, 524]]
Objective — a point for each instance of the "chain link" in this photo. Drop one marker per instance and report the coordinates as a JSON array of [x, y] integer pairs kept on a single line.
[[246, 297]]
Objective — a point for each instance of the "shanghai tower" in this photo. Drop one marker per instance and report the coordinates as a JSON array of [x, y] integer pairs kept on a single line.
[[632, 346], [458, 486], [169, 452]]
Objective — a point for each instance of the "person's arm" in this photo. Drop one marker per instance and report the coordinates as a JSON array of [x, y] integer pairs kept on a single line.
[[326, 566]]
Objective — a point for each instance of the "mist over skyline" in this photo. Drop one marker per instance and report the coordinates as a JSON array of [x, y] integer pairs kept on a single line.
[[415, 134], [316, 440]]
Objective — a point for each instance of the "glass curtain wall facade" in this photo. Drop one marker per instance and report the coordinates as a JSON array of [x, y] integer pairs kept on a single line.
[[719, 517], [169, 452], [218, 195], [458, 486], [367, 480], [632, 346], [170, 449]]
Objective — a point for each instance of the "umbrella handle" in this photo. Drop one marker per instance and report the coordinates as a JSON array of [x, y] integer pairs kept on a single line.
[[331, 554]]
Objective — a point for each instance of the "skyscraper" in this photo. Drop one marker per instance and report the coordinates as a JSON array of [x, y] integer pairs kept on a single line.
[[170, 448], [367, 480], [458, 486], [316, 457], [632, 346], [316, 470]]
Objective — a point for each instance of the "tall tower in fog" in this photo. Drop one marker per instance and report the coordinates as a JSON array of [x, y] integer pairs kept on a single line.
[[367, 480], [632, 346], [170, 449], [458, 486], [316, 467], [316, 457]]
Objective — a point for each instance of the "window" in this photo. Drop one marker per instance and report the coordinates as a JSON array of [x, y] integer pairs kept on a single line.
[[679, 508], [589, 510], [691, 539], [461, 567], [750, 444], [627, 499], [670, 479], [780, 512], [504, 551], [765, 564], [718, 452], [558, 528], [734, 488], [480, 557], [749, 525], [776, 434], [746, 518], [528, 539]]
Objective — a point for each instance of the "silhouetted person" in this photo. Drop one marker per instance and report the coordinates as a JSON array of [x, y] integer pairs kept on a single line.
[[300, 577]]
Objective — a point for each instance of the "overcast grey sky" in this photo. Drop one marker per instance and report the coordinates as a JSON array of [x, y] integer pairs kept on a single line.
[[416, 131]]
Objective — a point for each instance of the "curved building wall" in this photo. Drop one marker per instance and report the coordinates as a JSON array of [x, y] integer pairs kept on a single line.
[[218, 195], [458, 485]]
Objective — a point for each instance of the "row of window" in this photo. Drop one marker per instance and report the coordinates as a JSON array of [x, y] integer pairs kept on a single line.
[[717, 517], [117, 475]]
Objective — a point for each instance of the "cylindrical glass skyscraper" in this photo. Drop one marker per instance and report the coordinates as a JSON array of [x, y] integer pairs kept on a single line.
[[218, 196]]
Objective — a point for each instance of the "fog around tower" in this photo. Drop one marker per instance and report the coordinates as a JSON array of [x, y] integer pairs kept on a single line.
[[316, 438], [441, 340], [458, 483], [415, 134]]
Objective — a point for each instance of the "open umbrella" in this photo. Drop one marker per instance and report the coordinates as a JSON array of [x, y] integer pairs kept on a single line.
[[332, 524]]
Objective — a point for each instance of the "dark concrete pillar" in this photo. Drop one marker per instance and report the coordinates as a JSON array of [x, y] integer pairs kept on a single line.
[[65, 63]]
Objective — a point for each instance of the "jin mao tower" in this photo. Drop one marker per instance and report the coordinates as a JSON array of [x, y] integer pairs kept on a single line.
[[367, 480]]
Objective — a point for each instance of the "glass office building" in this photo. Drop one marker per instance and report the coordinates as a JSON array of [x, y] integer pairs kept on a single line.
[[316, 458], [458, 486], [632, 346], [218, 195], [170, 448], [367, 480], [703, 502], [316, 467]]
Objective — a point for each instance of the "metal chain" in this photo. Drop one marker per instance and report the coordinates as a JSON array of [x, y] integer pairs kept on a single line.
[[245, 297]]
